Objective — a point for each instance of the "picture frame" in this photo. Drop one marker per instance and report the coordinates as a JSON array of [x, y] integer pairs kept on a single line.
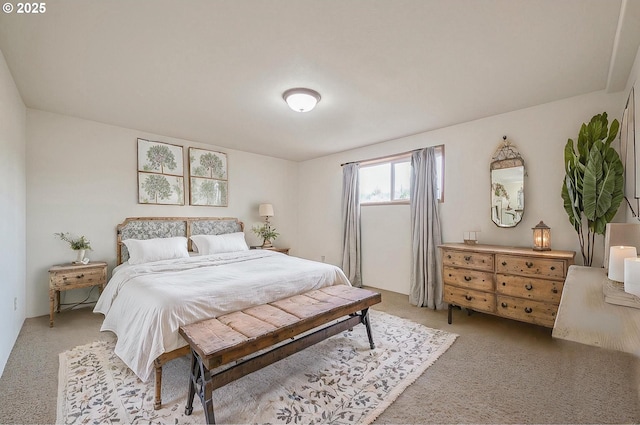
[[160, 173], [208, 178]]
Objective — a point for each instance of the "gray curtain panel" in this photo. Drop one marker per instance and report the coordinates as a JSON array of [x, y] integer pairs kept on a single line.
[[426, 235], [351, 252]]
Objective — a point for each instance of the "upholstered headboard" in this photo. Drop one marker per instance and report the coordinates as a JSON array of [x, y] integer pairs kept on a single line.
[[166, 227]]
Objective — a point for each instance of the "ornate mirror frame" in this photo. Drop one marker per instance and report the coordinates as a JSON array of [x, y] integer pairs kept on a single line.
[[507, 172]]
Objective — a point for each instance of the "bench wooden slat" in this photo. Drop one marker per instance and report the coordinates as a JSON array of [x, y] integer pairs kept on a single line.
[[212, 335], [321, 295], [270, 314], [346, 292], [246, 324], [304, 306]]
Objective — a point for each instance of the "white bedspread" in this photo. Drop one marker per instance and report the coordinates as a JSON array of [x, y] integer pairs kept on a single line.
[[144, 305]]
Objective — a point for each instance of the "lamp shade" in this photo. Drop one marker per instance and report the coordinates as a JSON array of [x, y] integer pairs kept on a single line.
[[265, 210], [300, 99], [617, 254]]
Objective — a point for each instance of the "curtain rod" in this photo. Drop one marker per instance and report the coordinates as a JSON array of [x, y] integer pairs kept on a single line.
[[390, 156], [381, 157]]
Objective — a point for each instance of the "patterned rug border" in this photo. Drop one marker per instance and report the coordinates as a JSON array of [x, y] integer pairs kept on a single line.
[[410, 379], [448, 340]]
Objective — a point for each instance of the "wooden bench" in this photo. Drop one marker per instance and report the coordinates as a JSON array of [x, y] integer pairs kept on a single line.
[[233, 337]]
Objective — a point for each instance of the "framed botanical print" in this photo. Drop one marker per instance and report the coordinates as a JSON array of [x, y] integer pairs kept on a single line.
[[160, 173], [209, 184]]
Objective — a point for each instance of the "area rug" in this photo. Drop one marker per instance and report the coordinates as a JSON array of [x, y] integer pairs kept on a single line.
[[340, 380]]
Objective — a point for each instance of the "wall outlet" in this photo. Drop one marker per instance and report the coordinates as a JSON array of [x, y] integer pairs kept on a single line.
[[322, 258], [15, 303]]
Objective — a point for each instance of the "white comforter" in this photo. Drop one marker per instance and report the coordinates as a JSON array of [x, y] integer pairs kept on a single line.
[[144, 305]]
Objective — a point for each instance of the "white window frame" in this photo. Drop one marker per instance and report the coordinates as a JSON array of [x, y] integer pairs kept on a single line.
[[399, 158]]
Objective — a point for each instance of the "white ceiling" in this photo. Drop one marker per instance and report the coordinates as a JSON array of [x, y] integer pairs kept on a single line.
[[214, 71]]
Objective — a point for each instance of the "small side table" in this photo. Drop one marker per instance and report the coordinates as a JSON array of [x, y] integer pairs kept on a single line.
[[273, 248], [73, 276]]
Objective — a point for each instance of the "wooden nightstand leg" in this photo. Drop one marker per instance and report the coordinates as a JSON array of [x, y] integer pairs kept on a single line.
[[52, 301], [58, 301]]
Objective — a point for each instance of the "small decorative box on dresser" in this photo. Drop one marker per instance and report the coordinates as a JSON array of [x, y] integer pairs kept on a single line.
[[517, 283], [73, 276]]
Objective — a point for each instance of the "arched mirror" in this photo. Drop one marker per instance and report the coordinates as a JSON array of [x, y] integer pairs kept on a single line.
[[507, 185]]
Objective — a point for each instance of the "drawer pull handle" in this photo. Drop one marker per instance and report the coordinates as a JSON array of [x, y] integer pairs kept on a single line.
[[504, 263], [80, 276], [528, 309], [467, 258], [449, 256], [528, 287], [504, 283], [529, 264], [468, 297], [554, 290], [504, 305], [467, 278], [553, 267]]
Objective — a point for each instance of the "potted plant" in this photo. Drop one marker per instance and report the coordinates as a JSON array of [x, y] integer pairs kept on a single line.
[[593, 186], [266, 233], [80, 245]]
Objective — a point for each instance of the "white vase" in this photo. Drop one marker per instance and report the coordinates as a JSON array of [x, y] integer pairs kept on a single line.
[[80, 256]]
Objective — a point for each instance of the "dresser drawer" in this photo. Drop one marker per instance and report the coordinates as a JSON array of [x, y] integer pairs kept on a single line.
[[529, 287], [78, 278], [530, 266], [475, 300], [475, 260], [536, 312], [467, 278]]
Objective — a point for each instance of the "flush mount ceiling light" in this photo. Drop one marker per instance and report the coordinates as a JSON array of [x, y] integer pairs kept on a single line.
[[301, 100]]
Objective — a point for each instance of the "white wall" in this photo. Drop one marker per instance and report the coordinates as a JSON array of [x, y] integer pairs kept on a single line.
[[81, 178], [630, 162], [12, 211], [540, 134]]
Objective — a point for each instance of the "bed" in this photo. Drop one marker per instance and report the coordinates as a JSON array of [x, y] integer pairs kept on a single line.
[[147, 299]]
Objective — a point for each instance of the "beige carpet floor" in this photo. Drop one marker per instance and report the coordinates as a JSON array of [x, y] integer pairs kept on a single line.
[[497, 371]]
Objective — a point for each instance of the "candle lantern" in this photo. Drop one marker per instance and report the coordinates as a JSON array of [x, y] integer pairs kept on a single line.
[[541, 237]]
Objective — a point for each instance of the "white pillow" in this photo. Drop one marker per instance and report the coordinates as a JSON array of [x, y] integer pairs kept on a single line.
[[218, 244], [145, 251]]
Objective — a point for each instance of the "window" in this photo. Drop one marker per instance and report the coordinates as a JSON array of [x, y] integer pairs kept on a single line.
[[388, 180]]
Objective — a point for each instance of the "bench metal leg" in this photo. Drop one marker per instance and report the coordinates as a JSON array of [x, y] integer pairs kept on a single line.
[[193, 378], [200, 382], [367, 324]]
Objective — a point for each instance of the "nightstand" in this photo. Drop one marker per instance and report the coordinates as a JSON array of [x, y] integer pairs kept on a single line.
[[74, 276], [273, 248]]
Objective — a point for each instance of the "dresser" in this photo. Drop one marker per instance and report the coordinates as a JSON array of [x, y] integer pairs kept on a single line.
[[516, 283]]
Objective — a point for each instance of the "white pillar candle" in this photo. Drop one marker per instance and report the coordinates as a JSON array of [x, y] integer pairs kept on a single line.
[[617, 254], [632, 276]]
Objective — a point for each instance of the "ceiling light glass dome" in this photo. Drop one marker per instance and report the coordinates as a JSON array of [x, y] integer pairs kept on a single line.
[[301, 99]]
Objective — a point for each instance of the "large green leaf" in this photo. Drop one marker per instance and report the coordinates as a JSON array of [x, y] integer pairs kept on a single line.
[[613, 131], [592, 184], [583, 144], [570, 205], [569, 156]]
